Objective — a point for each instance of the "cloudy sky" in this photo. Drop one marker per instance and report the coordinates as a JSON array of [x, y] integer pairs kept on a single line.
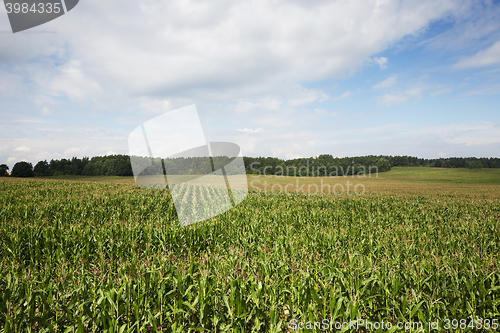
[[289, 79]]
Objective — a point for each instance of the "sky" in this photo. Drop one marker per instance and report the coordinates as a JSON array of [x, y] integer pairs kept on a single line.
[[285, 79]]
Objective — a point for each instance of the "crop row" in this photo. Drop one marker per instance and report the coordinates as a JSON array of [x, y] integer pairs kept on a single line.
[[95, 257]]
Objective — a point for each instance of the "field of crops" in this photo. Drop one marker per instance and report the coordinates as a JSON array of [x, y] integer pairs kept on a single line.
[[110, 257]]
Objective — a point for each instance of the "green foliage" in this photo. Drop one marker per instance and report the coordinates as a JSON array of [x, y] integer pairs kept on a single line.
[[473, 164], [42, 169], [113, 165], [4, 168], [75, 166], [22, 169], [383, 165], [101, 257], [323, 165], [327, 165]]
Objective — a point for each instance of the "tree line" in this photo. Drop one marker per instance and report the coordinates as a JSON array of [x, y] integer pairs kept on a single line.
[[112, 165], [322, 165], [327, 165]]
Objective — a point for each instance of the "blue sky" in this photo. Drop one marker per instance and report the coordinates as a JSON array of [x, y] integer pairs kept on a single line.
[[282, 78]]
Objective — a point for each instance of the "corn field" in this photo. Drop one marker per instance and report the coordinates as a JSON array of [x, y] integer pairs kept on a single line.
[[104, 257]]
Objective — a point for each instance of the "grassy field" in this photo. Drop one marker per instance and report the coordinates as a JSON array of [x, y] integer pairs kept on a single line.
[[471, 183], [442, 175], [101, 255]]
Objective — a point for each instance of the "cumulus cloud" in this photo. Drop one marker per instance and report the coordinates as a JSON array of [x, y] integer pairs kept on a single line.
[[112, 65], [244, 48]]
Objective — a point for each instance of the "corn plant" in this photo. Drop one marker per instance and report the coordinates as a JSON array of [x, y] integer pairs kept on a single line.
[[103, 257]]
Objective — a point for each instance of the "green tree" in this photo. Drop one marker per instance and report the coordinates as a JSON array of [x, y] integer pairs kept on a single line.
[[42, 169], [4, 168], [474, 164], [383, 165], [22, 169]]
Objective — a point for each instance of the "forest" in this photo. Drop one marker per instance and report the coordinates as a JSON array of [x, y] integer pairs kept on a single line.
[[322, 165]]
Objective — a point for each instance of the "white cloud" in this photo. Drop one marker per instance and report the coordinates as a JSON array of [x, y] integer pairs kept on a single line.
[[343, 96], [37, 140], [488, 57], [313, 142], [387, 83], [381, 62], [250, 131], [493, 89], [475, 26], [267, 104], [46, 111], [10, 83], [155, 106], [473, 139], [244, 107], [292, 156], [441, 92], [394, 98], [75, 151], [71, 81], [255, 58], [218, 47], [466, 134]]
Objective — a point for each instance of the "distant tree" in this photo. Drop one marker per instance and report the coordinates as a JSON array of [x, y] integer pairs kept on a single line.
[[383, 165], [22, 169], [42, 169], [4, 168], [474, 164]]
